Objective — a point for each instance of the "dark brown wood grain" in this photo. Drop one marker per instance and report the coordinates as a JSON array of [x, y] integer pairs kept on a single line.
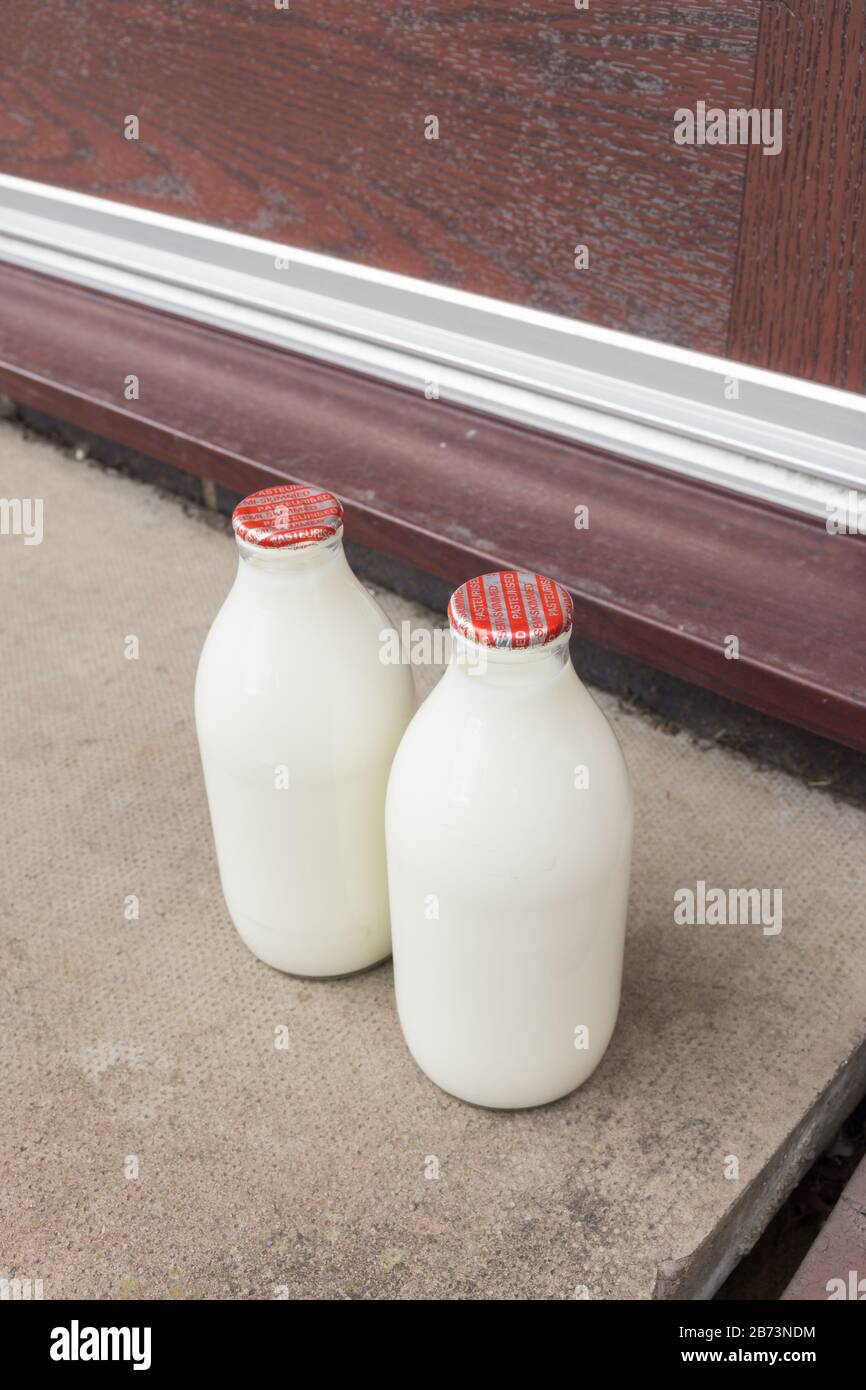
[[307, 126], [666, 572], [800, 297]]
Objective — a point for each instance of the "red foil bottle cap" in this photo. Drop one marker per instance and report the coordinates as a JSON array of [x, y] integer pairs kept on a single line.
[[511, 608], [291, 515]]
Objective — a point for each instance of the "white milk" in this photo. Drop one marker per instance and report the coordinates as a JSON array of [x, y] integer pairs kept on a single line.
[[508, 821], [298, 720]]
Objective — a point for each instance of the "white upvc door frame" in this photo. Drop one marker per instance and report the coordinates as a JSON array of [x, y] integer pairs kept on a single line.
[[760, 433]]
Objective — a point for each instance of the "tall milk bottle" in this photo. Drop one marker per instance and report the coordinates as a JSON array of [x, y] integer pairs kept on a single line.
[[298, 720], [509, 823]]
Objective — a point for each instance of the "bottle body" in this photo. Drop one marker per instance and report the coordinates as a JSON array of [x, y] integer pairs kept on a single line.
[[298, 720], [509, 844]]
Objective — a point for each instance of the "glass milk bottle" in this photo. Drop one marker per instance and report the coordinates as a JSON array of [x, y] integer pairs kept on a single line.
[[298, 720], [508, 822]]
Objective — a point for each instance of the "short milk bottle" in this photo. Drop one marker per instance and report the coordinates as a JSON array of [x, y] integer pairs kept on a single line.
[[509, 825], [298, 718]]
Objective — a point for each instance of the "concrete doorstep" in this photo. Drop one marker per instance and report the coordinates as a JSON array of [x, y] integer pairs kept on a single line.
[[154, 1141]]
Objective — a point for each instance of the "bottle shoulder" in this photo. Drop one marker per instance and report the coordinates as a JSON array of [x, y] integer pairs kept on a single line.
[[274, 662], [535, 800], [561, 713], [472, 748]]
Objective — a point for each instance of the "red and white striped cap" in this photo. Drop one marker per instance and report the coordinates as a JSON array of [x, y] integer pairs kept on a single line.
[[289, 515], [511, 608]]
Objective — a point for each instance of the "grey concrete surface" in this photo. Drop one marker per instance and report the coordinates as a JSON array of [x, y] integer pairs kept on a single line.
[[264, 1171]]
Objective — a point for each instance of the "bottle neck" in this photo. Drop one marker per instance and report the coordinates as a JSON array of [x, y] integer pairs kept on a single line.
[[268, 570], [504, 667]]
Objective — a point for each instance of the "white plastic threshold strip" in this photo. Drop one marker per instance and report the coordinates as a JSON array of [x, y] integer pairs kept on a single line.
[[756, 432]]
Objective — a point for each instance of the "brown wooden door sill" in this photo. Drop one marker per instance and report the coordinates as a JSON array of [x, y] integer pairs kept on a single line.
[[667, 572]]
